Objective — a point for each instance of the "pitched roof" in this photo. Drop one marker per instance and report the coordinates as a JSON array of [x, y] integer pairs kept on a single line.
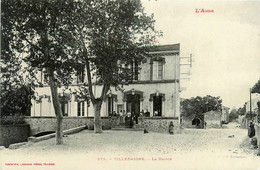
[[170, 47]]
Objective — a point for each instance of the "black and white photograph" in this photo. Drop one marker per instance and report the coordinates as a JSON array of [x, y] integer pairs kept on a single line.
[[130, 84]]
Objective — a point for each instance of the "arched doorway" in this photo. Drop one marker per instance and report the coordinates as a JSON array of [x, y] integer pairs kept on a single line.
[[133, 103]]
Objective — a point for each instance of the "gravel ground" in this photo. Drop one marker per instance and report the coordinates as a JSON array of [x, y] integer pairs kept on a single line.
[[227, 148]]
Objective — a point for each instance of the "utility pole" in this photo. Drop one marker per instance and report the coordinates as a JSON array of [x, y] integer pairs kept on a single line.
[[250, 105], [188, 64]]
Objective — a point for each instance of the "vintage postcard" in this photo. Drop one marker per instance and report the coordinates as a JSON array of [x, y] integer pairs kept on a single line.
[[130, 84]]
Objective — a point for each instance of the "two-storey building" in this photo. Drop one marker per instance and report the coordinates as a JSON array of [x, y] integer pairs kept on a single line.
[[155, 88]]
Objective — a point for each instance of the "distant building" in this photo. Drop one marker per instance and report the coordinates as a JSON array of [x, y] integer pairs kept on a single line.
[[154, 88], [225, 114], [213, 119]]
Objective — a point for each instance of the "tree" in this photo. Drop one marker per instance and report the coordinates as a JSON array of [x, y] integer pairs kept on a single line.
[[199, 105], [256, 88], [16, 86], [41, 30], [233, 114], [242, 110], [57, 36], [112, 35], [16, 101]]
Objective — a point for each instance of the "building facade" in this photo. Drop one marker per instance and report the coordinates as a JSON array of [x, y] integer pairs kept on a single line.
[[155, 88]]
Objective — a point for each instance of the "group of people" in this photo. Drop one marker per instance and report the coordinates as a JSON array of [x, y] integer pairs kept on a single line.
[[131, 118]]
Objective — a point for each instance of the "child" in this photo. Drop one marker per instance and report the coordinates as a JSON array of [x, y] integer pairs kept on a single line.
[[171, 128]]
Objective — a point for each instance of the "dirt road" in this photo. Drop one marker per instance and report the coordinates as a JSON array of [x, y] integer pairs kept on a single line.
[[192, 149]]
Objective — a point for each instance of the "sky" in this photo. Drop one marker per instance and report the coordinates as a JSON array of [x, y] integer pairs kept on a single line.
[[225, 45]]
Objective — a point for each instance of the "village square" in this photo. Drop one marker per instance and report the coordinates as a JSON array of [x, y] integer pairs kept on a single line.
[[129, 85]]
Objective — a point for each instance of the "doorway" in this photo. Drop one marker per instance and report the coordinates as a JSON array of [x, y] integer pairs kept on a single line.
[[157, 105], [133, 103]]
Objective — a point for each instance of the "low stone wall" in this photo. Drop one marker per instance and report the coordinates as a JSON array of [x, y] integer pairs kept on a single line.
[[42, 124], [13, 134], [159, 124]]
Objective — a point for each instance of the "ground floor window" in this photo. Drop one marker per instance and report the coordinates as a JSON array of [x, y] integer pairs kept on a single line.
[[81, 108], [157, 105], [64, 108], [110, 106]]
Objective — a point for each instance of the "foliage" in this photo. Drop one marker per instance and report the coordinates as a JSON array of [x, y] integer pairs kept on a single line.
[[110, 37], [56, 36], [41, 32], [12, 120], [38, 29], [233, 114], [116, 32], [256, 88], [242, 110], [16, 101], [199, 105]]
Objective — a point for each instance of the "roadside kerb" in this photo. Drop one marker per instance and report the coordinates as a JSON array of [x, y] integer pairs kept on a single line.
[[65, 132]]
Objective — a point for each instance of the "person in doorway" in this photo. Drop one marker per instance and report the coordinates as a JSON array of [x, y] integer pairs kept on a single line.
[[147, 113], [121, 116], [136, 117], [156, 113], [171, 128], [124, 115], [142, 113], [132, 119]]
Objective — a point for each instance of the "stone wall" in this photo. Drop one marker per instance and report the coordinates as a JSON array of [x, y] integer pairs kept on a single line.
[[159, 124], [187, 122], [213, 119], [42, 124], [13, 134]]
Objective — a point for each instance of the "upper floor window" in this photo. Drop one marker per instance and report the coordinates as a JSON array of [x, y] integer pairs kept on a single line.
[[134, 70], [160, 70], [81, 74], [157, 70]]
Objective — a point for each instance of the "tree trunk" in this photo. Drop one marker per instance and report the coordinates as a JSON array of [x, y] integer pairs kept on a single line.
[[97, 119], [57, 107]]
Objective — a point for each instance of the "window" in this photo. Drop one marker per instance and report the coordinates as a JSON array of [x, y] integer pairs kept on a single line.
[[134, 70], [110, 105], [81, 74], [160, 70], [157, 68], [157, 105], [64, 99], [64, 108], [81, 108]]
